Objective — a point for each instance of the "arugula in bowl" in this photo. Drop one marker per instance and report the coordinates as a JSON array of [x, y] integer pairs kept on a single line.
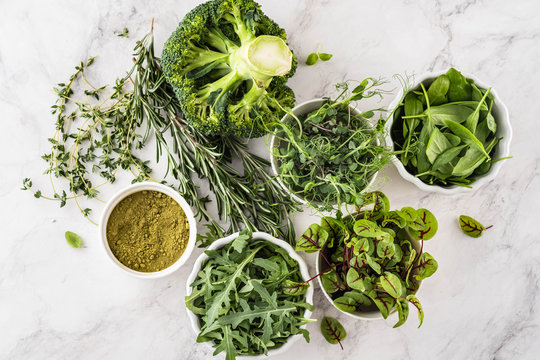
[[248, 295]]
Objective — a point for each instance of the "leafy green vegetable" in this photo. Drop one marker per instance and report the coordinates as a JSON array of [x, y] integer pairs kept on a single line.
[[330, 155], [227, 63], [333, 331], [73, 239], [369, 261], [471, 227], [315, 56], [249, 297], [446, 135]]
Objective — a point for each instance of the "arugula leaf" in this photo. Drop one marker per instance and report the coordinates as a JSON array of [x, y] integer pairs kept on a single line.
[[471, 227], [333, 331]]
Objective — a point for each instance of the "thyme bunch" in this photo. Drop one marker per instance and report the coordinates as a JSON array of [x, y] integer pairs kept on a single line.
[[141, 106]]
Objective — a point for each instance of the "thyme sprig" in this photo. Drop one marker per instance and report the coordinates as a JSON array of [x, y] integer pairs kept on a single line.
[[99, 137]]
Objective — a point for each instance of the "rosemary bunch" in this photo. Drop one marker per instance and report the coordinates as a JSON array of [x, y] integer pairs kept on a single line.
[[110, 130]]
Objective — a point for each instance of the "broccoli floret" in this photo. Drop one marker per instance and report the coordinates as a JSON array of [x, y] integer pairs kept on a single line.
[[228, 63]]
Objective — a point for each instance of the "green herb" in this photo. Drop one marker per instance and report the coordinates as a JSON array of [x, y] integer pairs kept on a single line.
[[315, 56], [471, 226], [330, 155], [333, 331], [96, 139], [244, 301], [73, 239], [370, 258], [446, 135], [124, 33]]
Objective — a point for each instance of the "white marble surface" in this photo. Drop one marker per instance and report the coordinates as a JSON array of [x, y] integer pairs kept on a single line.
[[62, 303]]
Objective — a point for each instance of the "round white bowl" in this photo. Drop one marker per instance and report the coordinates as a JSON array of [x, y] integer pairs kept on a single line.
[[256, 235], [304, 108], [131, 189], [504, 130], [359, 315]]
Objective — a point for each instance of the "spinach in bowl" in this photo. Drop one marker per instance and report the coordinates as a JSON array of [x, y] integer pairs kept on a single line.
[[444, 132]]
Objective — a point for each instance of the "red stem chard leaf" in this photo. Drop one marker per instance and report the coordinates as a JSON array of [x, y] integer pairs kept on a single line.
[[394, 218], [373, 263], [426, 266], [413, 300], [360, 299], [386, 249], [345, 303], [361, 245], [402, 307], [384, 302], [425, 226], [367, 228], [333, 331], [294, 288], [471, 226], [357, 281], [331, 282], [312, 240], [380, 202], [391, 284]]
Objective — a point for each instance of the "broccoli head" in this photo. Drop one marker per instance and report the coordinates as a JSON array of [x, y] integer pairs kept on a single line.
[[228, 63]]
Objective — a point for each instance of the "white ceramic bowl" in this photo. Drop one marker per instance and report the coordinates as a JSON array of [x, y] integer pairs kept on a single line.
[[359, 315], [148, 185], [256, 235], [302, 109], [504, 130]]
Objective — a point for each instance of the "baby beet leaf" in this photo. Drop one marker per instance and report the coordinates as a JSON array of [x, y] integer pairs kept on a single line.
[[360, 299], [331, 282], [73, 239], [425, 226], [345, 303], [402, 307], [391, 284], [366, 228], [355, 281], [426, 266], [384, 302], [413, 300], [312, 240], [312, 59], [294, 288], [471, 226], [333, 331]]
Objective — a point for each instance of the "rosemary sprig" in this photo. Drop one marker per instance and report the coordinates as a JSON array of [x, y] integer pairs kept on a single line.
[[111, 130]]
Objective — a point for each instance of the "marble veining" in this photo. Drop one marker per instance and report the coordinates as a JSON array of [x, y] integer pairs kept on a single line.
[[483, 303]]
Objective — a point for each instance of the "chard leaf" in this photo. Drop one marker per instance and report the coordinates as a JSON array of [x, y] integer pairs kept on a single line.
[[395, 218], [408, 214], [391, 283], [331, 282], [345, 303], [402, 307], [360, 299], [426, 266], [425, 226], [384, 302], [380, 202], [413, 300], [385, 249], [312, 240], [357, 281], [373, 264], [294, 288], [361, 245], [333, 331], [366, 228], [470, 226]]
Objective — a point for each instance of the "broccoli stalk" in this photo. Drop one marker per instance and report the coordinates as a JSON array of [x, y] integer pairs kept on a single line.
[[221, 62]]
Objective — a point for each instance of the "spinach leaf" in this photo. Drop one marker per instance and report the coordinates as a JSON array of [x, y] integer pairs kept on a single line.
[[437, 144], [438, 89], [459, 89]]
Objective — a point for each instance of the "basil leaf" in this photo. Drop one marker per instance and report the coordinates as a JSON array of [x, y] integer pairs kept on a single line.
[[73, 239], [312, 59], [325, 56]]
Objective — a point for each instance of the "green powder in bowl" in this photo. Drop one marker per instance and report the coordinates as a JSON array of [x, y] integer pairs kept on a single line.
[[147, 231]]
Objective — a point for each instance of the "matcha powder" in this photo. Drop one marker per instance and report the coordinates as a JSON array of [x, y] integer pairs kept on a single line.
[[148, 231]]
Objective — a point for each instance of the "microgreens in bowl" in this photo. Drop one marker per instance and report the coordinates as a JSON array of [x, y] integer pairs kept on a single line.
[[330, 155]]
